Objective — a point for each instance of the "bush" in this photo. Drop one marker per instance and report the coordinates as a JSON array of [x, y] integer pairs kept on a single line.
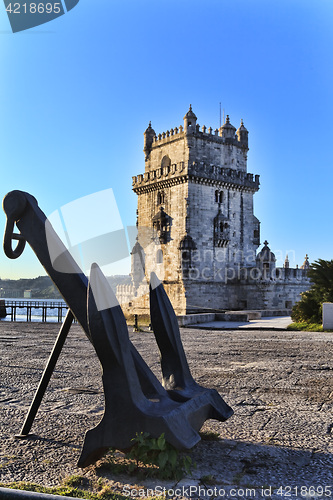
[[158, 453], [309, 308]]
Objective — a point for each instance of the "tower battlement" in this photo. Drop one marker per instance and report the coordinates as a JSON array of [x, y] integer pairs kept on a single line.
[[215, 135], [169, 136], [223, 147], [225, 135]]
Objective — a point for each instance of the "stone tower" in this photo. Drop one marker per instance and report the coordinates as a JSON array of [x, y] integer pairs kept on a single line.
[[197, 229], [197, 195]]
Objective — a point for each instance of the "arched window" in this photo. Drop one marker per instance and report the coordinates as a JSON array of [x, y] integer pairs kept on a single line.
[[186, 247], [219, 196], [159, 257], [160, 198], [166, 162]]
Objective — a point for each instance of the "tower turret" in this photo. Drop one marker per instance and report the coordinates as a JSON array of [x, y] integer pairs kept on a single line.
[[266, 262], [149, 135], [243, 135], [137, 264], [190, 122], [306, 263], [227, 131]]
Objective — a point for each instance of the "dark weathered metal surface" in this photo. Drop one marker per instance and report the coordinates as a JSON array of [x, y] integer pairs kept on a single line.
[[59, 343], [30, 220], [135, 401], [127, 409], [177, 378], [3, 311]]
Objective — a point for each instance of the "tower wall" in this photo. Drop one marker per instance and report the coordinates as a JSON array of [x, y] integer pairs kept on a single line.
[[172, 146], [211, 149], [239, 290]]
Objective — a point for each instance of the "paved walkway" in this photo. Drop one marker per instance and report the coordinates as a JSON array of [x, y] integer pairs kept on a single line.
[[269, 323], [277, 445]]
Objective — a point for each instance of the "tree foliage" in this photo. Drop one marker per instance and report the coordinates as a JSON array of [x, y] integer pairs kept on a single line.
[[309, 308]]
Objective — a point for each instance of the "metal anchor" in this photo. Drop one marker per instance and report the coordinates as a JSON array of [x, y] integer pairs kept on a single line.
[[135, 401]]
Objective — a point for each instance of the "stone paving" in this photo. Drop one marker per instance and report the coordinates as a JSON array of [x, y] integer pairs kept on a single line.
[[269, 323], [280, 385]]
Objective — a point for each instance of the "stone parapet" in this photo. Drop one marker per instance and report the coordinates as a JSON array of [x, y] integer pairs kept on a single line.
[[171, 135], [205, 133], [198, 172], [227, 177]]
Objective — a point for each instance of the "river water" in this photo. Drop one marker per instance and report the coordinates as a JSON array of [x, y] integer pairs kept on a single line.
[[36, 315]]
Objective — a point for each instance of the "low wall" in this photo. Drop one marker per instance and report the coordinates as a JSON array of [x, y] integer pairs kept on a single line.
[[275, 312], [192, 319], [232, 316]]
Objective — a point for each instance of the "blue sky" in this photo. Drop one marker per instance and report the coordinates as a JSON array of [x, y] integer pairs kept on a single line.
[[76, 95]]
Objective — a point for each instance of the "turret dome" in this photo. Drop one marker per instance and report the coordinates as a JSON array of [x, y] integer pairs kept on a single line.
[[190, 114], [227, 124], [306, 263], [149, 135], [187, 243], [265, 255], [227, 130], [243, 135], [242, 128]]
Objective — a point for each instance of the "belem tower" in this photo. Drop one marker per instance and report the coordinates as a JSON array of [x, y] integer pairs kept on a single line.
[[197, 228]]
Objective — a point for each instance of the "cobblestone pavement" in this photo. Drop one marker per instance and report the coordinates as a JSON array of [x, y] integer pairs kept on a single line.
[[278, 383]]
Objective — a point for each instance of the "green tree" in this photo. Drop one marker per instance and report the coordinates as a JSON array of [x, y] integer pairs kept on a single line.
[[309, 308]]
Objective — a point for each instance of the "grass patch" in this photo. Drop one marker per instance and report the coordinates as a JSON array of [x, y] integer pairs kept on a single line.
[[118, 463], [70, 487], [305, 326]]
